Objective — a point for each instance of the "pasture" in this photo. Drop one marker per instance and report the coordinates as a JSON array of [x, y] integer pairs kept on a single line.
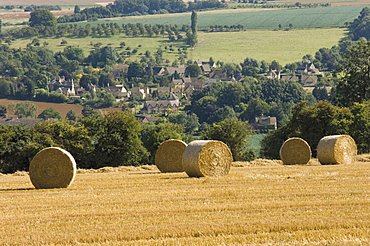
[[258, 203], [283, 46]]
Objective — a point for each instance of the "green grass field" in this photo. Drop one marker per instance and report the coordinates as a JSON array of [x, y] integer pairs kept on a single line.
[[258, 203], [299, 18], [269, 45], [282, 46]]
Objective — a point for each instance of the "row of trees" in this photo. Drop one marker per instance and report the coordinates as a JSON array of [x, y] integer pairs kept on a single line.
[[113, 139], [141, 7]]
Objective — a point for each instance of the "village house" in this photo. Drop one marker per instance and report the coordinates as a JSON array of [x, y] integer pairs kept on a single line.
[[14, 121], [147, 118], [307, 68], [158, 71], [180, 69], [142, 92], [308, 80], [218, 74], [162, 90], [202, 63], [117, 91], [273, 74], [264, 123], [161, 106], [290, 77]]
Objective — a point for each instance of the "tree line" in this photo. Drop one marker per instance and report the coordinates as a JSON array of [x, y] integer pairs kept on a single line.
[[141, 7], [112, 139]]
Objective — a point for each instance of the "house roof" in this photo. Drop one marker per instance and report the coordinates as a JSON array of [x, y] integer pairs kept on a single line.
[[28, 122], [180, 69]]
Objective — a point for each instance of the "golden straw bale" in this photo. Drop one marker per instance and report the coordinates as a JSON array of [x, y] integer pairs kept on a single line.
[[168, 157], [295, 151], [207, 158], [52, 168], [337, 149]]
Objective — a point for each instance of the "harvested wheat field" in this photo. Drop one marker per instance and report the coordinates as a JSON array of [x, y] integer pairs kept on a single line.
[[258, 203]]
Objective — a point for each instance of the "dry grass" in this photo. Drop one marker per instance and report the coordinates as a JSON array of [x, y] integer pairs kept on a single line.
[[253, 205]]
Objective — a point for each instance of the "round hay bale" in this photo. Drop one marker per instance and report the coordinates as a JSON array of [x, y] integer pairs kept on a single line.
[[295, 151], [207, 158], [168, 157], [52, 168], [336, 149]]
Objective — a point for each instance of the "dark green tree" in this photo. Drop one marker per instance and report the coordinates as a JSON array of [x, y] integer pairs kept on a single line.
[[77, 9], [360, 126], [23, 109], [3, 111], [135, 69], [154, 135], [71, 115], [194, 20], [193, 70], [233, 133], [310, 123], [221, 114], [88, 110], [190, 122], [360, 27], [42, 17], [256, 107], [49, 113], [73, 138], [117, 139], [354, 75], [18, 147]]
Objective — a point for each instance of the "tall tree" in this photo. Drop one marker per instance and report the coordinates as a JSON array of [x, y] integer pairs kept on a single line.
[[77, 9], [354, 75], [194, 20], [192, 38]]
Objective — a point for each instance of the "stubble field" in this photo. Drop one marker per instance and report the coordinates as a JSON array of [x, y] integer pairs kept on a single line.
[[258, 203]]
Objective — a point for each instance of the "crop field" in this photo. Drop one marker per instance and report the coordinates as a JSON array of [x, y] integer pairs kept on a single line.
[[299, 18], [258, 203], [41, 106], [332, 2]]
